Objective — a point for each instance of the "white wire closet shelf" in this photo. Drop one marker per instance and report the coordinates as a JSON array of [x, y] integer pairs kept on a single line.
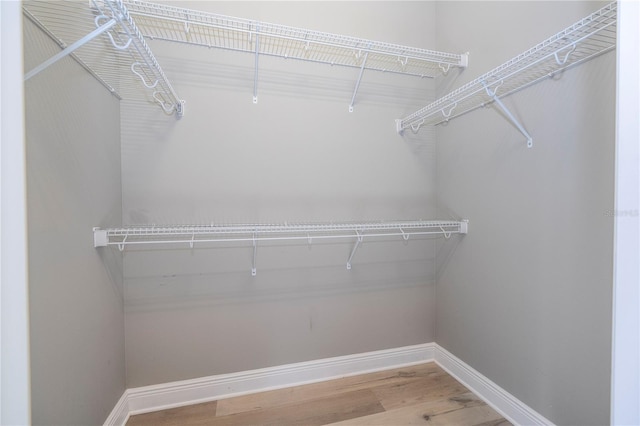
[[586, 39], [164, 22], [190, 236], [103, 38]]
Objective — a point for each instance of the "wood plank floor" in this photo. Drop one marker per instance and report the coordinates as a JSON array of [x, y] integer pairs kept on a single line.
[[418, 395]]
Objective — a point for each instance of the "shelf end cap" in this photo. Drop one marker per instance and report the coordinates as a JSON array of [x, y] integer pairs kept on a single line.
[[464, 60], [100, 238]]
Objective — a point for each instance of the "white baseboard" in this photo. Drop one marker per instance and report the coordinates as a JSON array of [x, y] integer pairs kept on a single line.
[[120, 413], [502, 401], [186, 392]]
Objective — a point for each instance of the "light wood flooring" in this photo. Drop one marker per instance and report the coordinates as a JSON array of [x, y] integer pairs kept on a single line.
[[418, 395]]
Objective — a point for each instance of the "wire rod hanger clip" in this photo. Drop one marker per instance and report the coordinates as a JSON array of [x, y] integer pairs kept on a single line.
[[566, 57]]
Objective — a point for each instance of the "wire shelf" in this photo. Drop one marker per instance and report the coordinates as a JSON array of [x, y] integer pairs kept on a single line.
[[121, 60], [586, 39], [103, 38], [189, 236], [163, 22]]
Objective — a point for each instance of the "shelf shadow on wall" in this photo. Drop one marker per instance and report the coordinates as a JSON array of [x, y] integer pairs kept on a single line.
[[112, 265], [446, 248], [235, 71], [222, 276]]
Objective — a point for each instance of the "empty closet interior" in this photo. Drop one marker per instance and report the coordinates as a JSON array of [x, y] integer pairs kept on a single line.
[[216, 187]]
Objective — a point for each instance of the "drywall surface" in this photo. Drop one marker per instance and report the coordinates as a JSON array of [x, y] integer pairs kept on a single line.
[[525, 298], [15, 385], [73, 184], [298, 155]]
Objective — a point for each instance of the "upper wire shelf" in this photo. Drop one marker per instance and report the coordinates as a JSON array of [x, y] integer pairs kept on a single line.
[[587, 38], [163, 22], [103, 38], [189, 236]]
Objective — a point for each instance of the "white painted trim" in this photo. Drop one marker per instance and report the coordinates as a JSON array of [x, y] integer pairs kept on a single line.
[[186, 392], [15, 381], [175, 394], [120, 413], [625, 345], [502, 401]]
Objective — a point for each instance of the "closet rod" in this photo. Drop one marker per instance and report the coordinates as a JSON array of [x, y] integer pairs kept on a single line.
[[591, 36]]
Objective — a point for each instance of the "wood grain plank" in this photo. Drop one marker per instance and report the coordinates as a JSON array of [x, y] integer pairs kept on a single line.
[[417, 391], [498, 422], [415, 414], [470, 416], [423, 394], [328, 388], [445, 411], [197, 414], [312, 412]]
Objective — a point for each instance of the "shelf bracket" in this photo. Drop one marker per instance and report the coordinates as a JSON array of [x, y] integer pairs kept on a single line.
[[355, 248], [69, 49], [492, 94], [355, 91], [255, 252], [255, 76]]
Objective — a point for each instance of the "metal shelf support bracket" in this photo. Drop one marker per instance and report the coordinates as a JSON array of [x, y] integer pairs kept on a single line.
[[492, 94], [255, 253], [355, 248], [355, 91], [255, 76]]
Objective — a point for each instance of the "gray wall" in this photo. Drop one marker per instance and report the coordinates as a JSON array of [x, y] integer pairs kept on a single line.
[[73, 184], [297, 155], [525, 298]]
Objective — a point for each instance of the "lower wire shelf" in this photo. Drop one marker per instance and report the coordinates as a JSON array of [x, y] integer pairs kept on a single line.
[[190, 235]]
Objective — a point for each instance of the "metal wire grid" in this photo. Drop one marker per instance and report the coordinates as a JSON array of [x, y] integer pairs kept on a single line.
[[587, 38], [54, 24], [273, 232], [219, 31], [69, 21]]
